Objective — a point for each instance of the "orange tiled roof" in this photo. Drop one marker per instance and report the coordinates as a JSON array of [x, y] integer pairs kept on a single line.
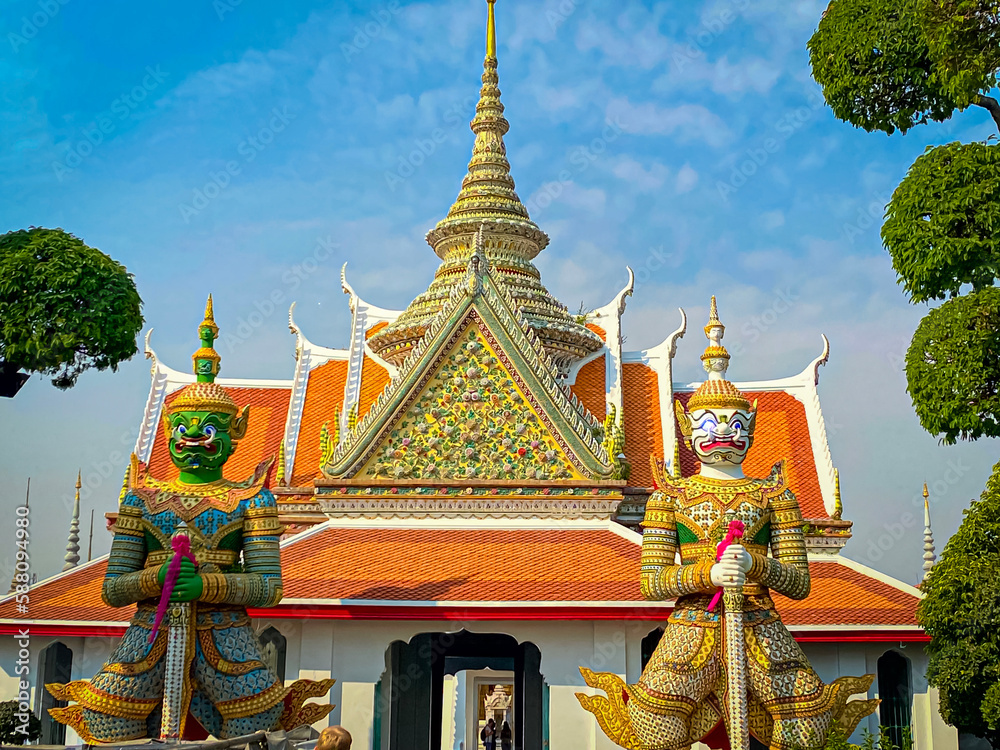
[[74, 597], [844, 596], [643, 429], [375, 329], [436, 564], [782, 432], [432, 564], [374, 379], [324, 395], [268, 410], [590, 387], [599, 331]]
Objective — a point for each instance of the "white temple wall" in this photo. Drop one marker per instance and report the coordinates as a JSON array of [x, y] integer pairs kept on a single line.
[[354, 651]]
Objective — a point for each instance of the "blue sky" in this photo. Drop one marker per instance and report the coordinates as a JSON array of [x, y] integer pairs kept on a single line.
[[220, 145]]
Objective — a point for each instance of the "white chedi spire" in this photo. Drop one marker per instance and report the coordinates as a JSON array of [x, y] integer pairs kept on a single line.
[[929, 553], [72, 558]]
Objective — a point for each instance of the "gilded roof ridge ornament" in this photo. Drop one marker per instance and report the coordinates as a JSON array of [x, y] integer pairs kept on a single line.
[[479, 264], [491, 31]]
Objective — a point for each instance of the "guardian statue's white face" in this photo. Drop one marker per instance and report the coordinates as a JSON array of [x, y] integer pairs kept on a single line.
[[722, 435]]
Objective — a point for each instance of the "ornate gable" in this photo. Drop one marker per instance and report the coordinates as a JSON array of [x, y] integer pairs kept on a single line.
[[472, 419], [476, 400]]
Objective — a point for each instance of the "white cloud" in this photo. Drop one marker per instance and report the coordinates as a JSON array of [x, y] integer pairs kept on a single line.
[[399, 107], [772, 219], [687, 178], [253, 71], [645, 180], [643, 48], [688, 122]]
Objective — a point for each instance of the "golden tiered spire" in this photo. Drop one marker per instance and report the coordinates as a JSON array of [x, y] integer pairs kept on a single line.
[[488, 200], [487, 192]]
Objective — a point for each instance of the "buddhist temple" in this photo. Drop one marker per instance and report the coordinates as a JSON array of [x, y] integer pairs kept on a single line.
[[462, 487]]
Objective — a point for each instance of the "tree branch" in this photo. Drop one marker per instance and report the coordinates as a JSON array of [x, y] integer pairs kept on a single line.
[[991, 104]]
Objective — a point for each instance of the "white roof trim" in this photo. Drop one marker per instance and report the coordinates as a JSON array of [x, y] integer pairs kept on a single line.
[[872, 573], [609, 317], [308, 356], [363, 317], [661, 360], [375, 314]]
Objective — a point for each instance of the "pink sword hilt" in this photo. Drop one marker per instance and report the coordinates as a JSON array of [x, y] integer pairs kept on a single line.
[[181, 545], [734, 532]]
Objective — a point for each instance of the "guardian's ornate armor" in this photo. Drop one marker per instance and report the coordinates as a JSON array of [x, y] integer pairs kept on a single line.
[[682, 693], [220, 675]]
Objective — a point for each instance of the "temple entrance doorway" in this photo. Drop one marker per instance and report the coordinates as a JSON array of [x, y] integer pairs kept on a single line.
[[480, 695], [439, 690]]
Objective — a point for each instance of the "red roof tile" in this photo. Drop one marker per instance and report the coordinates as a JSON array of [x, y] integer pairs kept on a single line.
[[844, 596], [782, 432], [75, 596], [430, 565], [590, 388], [374, 379], [375, 329], [643, 430], [599, 331], [406, 564], [324, 395], [268, 410]]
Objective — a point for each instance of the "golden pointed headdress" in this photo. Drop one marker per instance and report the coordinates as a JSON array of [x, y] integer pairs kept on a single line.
[[206, 394], [717, 392]]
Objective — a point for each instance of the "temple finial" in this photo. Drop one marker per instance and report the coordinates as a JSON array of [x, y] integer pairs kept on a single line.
[[930, 556], [491, 31], [715, 359], [206, 359], [838, 503], [72, 558]]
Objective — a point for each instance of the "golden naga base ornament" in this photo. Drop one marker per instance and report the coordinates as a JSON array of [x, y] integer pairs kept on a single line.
[[613, 716]]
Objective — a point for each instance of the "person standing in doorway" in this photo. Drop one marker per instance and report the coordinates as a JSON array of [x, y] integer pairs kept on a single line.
[[506, 737], [489, 735]]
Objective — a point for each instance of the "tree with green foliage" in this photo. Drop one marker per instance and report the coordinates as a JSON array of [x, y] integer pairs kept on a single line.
[[961, 613], [891, 65], [11, 725], [64, 307]]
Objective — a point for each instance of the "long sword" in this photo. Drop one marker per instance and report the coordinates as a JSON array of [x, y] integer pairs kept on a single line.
[[736, 667], [180, 629]]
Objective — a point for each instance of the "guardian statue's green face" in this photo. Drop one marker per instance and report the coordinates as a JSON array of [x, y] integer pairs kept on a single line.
[[203, 423], [200, 439]]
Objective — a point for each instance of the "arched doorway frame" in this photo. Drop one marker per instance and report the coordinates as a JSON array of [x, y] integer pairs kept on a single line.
[[55, 665], [895, 689], [408, 709]]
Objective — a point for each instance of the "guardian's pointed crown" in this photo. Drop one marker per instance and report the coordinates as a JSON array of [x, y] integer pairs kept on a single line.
[[717, 392]]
